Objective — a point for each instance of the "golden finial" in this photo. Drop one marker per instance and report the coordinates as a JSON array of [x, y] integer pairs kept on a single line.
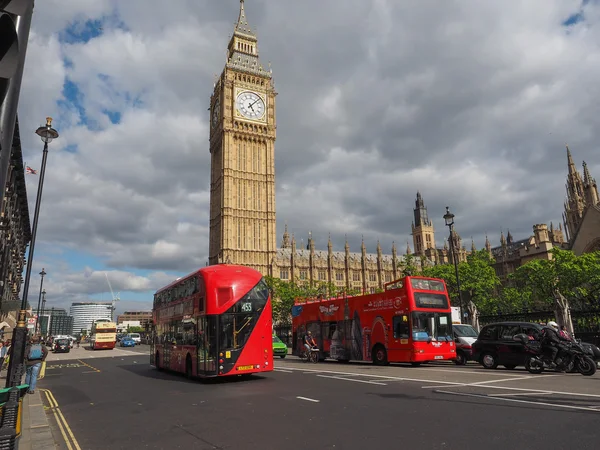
[[49, 122]]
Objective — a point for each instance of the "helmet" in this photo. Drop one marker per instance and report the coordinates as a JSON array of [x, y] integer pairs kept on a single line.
[[553, 324]]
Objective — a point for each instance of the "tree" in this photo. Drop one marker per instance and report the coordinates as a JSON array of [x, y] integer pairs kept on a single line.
[[478, 281], [283, 295], [565, 276], [408, 266], [134, 329]]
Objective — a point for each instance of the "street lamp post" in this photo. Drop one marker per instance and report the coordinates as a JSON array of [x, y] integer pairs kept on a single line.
[[43, 309], [15, 366], [42, 274], [449, 218]]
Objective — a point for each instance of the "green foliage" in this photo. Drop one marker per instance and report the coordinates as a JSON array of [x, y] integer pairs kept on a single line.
[[478, 280], [408, 266], [574, 277], [284, 293], [135, 329]]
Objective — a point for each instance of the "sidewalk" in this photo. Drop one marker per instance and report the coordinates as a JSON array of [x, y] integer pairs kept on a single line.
[[35, 429]]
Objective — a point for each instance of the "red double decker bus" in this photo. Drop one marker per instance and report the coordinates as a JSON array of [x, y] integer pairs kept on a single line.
[[409, 322], [214, 322]]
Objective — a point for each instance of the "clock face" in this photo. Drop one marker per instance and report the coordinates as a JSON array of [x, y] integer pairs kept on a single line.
[[250, 105], [216, 111]]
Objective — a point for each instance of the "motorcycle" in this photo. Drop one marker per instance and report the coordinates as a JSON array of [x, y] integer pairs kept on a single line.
[[570, 355]]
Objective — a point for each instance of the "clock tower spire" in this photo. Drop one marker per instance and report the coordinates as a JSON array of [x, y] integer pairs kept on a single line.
[[242, 147]]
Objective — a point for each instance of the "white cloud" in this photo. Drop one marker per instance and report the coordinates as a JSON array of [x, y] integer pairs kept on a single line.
[[469, 103]]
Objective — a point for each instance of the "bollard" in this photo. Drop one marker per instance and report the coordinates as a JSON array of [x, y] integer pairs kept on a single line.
[[17, 375], [8, 438]]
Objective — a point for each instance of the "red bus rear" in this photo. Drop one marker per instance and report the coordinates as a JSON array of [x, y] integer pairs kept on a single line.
[[214, 322], [409, 322]]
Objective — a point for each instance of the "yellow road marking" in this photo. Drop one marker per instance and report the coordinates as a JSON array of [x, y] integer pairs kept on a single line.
[[62, 422], [87, 365]]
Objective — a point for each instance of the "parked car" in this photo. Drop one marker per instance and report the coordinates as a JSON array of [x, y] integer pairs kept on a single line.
[[127, 342], [279, 347], [61, 346], [135, 336], [464, 337], [496, 346]]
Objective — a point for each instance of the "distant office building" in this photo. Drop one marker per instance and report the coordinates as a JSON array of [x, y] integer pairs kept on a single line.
[[60, 325], [56, 312], [143, 317], [85, 313], [55, 321]]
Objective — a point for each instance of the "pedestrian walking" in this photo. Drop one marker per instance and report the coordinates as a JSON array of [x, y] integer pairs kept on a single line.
[[35, 355], [8, 347], [2, 355]]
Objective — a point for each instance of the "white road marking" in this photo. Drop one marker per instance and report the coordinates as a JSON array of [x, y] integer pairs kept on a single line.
[[577, 394], [519, 393], [309, 399], [370, 375], [478, 372], [350, 379], [282, 370], [485, 383], [554, 405]]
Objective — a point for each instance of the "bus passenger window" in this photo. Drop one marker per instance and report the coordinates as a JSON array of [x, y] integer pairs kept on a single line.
[[401, 328]]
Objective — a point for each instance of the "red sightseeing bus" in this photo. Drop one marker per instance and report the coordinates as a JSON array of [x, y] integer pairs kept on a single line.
[[409, 322], [214, 322]]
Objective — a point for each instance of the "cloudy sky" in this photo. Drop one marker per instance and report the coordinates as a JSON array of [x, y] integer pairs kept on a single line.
[[469, 102]]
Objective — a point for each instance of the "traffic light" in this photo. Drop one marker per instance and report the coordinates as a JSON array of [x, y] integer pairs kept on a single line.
[[10, 10]]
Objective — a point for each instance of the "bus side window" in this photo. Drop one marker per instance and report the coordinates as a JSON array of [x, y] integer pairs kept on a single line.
[[401, 328]]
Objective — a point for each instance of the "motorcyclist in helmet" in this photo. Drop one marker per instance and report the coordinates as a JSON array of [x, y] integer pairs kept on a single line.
[[551, 340]]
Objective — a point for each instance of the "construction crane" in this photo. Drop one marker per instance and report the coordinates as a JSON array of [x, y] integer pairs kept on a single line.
[[115, 298]]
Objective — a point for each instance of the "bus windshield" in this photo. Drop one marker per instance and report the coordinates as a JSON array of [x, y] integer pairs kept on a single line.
[[239, 320], [431, 325]]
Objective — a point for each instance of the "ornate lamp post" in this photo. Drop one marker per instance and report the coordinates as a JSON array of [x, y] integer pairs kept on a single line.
[[15, 367], [42, 274], [449, 219], [43, 309]]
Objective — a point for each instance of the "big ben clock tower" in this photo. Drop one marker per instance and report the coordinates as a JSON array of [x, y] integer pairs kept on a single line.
[[242, 147]]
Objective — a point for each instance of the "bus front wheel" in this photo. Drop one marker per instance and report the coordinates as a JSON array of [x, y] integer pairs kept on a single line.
[[379, 355]]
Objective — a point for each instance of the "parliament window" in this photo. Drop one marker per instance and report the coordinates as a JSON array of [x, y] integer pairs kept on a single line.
[[283, 274]]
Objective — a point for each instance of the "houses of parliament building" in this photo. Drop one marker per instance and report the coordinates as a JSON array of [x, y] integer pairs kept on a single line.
[[242, 197]]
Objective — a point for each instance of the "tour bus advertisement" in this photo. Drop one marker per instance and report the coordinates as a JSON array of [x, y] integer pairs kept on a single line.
[[410, 321]]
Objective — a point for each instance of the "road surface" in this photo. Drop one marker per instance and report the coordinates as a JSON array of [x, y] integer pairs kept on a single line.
[[118, 401]]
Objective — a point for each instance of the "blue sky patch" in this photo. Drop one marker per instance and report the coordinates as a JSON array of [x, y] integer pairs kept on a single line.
[[574, 19], [73, 97], [81, 32], [114, 116], [71, 148]]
